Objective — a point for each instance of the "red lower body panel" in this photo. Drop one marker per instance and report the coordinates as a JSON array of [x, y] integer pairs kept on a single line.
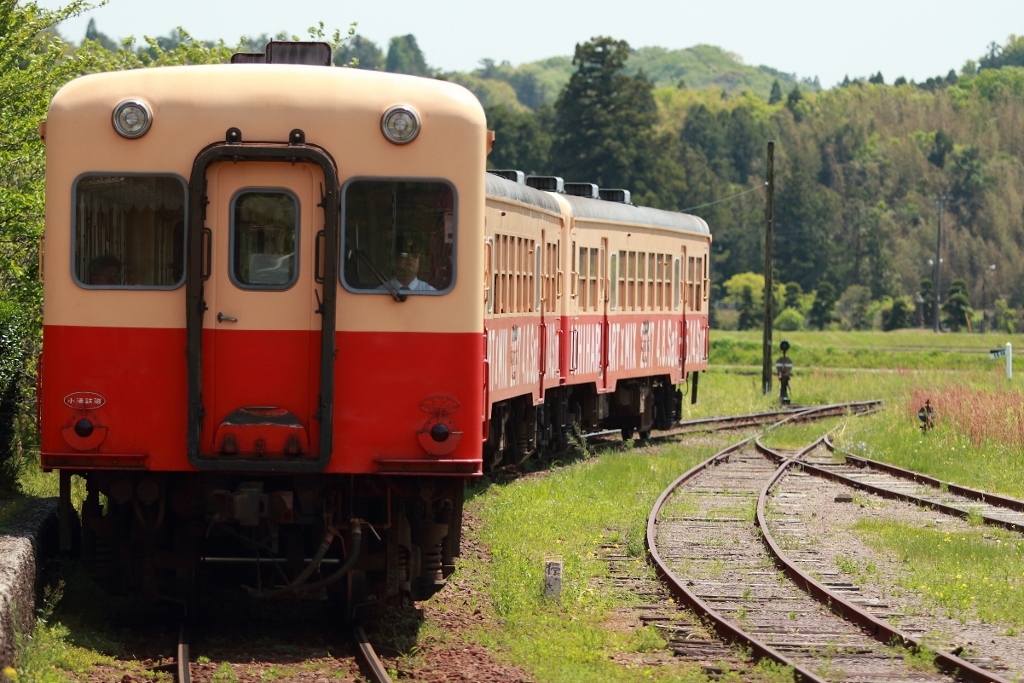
[[132, 383]]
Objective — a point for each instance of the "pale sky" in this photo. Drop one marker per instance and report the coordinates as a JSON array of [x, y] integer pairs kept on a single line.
[[825, 38]]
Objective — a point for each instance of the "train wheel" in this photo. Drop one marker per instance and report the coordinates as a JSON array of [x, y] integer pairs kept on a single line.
[[644, 434], [628, 432]]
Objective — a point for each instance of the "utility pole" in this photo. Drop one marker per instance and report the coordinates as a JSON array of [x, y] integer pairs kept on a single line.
[[940, 200], [769, 219]]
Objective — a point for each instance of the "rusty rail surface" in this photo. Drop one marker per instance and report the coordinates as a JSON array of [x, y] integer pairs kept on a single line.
[[994, 499], [371, 663], [877, 628], [722, 626]]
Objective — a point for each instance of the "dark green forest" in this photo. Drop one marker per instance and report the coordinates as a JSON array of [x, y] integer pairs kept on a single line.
[[862, 169]]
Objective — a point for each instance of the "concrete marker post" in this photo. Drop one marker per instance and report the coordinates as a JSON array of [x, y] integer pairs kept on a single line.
[[553, 579], [1009, 360]]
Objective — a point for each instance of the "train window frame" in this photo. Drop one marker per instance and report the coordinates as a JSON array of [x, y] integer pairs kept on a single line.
[[489, 275], [613, 273], [676, 271], [74, 241], [450, 230], [296, 254]]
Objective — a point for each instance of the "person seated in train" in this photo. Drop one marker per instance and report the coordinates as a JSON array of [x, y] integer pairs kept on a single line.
[[407, 266], [105, 270]]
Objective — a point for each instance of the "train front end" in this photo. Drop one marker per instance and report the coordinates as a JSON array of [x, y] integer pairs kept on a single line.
[[263, 325]]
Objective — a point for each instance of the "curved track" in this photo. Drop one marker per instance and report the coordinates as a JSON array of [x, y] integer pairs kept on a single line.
[[731, 578]]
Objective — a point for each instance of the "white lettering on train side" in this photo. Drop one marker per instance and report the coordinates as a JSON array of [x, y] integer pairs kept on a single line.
[[552, 359], [588, 341], [666, 343], [696, 341], [514, 356]]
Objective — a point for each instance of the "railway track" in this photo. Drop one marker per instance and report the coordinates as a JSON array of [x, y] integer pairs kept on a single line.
[[894, 482], [733, 422], [366, 657], [704, 543]]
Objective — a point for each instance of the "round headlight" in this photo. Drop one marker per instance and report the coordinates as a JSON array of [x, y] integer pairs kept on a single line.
[[400, 124], [132, 118]]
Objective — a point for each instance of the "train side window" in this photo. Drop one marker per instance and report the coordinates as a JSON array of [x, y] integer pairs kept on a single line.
[[129, 231], [675, 284], [613, 274], [264, 239], [401, 232]]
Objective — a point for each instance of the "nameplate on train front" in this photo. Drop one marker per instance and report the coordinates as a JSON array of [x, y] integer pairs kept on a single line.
[[84, 400]]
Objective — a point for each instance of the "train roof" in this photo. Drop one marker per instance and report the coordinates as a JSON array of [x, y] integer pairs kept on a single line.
[[596, 209], [616, 212], [506, 189]]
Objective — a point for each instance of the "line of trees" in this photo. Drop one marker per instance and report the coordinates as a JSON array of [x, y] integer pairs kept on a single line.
[[858, 170]]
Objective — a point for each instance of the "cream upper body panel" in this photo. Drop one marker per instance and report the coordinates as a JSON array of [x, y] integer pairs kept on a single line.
[[338, 109]]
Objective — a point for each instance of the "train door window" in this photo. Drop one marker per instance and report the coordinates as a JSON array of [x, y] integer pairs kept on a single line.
[[398, 233], [666, 282], [706, 278], [129, 231], [489, 274], [537, 270], [623, 280], [642, 281], [502, 274], [613, 275], [582, 275], [592, 281], [675, 284], [691, 263], [550, 271], [264, 239], [698, 282]]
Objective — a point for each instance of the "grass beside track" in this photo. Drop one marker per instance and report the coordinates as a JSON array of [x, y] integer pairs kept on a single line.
[[569, 515]]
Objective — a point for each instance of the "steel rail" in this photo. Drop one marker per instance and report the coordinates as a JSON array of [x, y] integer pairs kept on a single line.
[[974, 494], [369, 658], [904, 497], [182, 671], [726, 422], [721, 625], [873, 626]]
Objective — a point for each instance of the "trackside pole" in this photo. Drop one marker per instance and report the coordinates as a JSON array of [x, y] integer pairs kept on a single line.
[[1009, 360]]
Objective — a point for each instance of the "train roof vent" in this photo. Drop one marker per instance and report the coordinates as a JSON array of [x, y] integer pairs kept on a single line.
[[248, 58], [298, 52], [509, 174], [614, 195], [588, 190], [548, 183]]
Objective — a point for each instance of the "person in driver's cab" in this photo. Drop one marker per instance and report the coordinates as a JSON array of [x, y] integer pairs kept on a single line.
[[407, 265]]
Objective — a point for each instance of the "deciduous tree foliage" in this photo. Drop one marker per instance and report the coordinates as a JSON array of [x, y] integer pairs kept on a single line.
[[33, 65]]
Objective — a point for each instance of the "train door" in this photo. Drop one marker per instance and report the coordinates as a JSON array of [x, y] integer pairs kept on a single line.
[[262, 331], [602, 306], [574, 312], [679, 307]]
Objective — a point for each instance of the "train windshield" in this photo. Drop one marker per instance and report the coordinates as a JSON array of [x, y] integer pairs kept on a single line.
[[398, 237], [129, 231]]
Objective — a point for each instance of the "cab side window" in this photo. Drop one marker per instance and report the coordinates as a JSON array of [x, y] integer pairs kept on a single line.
[[398, 235], [129, 231]]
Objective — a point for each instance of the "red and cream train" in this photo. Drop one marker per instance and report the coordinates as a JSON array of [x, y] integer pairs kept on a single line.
[[233, 364]]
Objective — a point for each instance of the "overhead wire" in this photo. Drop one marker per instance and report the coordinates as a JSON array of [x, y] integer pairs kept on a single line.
[[725, 199]]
